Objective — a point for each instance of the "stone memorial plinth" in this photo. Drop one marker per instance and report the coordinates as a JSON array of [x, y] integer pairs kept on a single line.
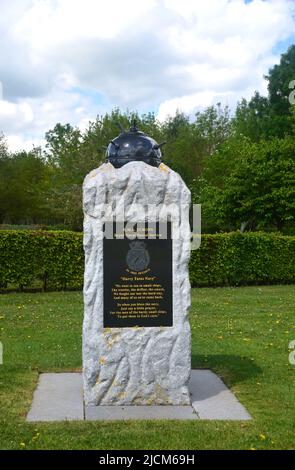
[[136, 333]]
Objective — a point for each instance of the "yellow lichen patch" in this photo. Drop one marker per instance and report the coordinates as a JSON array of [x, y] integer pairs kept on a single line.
[[161, 394], [116, 336], [111, 342], [102, 360], [115, 383], [112, 339], [137, 401], [107, 167], [121, 395], [164, 167], [106, 331]]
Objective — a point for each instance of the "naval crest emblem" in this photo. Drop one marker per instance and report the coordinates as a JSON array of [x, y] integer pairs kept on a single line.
[[138, 257]]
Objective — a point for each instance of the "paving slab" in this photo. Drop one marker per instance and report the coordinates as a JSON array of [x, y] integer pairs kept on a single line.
[[137, 412], [211, 398], [59, 397]]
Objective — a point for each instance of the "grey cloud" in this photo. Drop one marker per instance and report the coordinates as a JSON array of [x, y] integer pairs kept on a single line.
[[131, 69], [19, 75], [139, 67]]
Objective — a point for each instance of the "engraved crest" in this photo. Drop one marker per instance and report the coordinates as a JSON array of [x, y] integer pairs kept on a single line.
[[138, 257]]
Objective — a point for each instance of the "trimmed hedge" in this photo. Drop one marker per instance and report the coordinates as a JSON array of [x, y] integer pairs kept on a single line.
[[52, 259], [55, 259], [239, 259]]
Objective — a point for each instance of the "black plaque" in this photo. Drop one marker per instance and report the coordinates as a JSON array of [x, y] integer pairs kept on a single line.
[[137, 275]]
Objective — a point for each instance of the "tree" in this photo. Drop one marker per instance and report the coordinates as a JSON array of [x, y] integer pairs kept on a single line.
[[212, 127], [23, 186], [62, 150], [279, 78], [268, 117], [3, 146], [253, 118], [256, 187], [189, 144]]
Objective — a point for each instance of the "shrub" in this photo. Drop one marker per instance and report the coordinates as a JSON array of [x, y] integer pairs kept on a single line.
[[239, 259], [55, 259]]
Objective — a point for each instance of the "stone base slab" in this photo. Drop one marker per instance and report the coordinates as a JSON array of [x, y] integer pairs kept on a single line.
[[59, 397]]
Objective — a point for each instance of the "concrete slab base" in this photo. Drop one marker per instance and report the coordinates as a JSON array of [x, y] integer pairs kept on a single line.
[[94, 413], [59, 397], [212, 399]]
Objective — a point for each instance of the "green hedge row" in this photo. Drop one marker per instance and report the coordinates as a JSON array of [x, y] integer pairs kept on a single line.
[[240, 259], [55, 260], [47, 259]]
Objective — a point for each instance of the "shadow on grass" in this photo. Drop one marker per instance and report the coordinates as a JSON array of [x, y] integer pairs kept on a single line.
[[234, 369]]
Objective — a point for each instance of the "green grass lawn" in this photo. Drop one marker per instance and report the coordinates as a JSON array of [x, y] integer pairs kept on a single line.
[[241, 333]]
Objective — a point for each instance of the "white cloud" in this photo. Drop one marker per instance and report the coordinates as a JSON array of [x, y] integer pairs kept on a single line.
[[17, 143], [15, 115], [68, 60], [81, 20], [188, 104]]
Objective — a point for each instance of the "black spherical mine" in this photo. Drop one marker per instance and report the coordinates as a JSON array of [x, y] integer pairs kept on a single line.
[[134, 146]]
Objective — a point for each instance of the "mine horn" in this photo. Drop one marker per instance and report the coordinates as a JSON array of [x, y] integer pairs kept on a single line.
[[116, 145], [157, 146], [118, 124]]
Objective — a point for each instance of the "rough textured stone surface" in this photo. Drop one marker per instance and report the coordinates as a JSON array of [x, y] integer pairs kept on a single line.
[[135, 366]]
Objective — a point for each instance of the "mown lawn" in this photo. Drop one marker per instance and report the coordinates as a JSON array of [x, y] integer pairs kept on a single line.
[[241, 333]]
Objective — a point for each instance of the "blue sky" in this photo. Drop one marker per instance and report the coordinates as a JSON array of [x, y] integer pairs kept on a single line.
[[282, 46], [70, 60]]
